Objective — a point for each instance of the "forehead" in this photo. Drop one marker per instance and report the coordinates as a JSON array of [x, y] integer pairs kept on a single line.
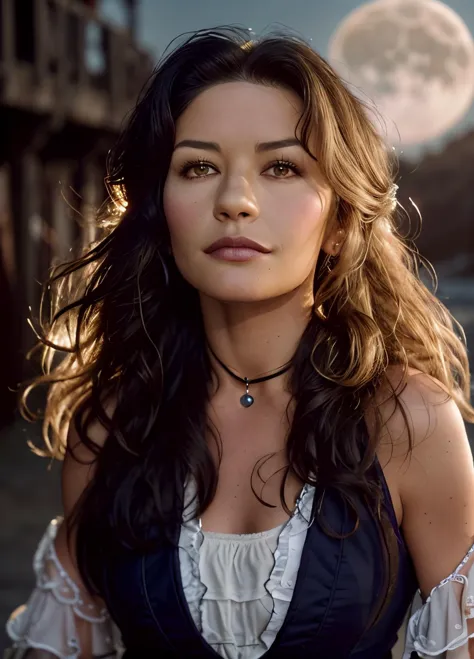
[[242, 108]]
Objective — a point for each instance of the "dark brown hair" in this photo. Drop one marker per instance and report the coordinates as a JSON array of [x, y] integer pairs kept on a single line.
[[130, 328]]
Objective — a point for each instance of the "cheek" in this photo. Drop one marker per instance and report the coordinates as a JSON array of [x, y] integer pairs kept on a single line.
[[302, 218], [182, 213]]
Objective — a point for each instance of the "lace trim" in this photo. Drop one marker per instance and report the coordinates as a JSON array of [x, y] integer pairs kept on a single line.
[[454, 576], [48, 617], [190, 541], [63, 588], [440, 624], [280, 585], [282, 580]]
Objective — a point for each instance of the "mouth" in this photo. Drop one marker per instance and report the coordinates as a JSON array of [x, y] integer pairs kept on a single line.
[[237, 245]]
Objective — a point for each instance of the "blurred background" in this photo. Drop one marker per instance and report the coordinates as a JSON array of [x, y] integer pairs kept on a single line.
[[70, 71]]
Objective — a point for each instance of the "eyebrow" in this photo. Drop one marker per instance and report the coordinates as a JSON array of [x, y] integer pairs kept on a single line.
[[259, 148]]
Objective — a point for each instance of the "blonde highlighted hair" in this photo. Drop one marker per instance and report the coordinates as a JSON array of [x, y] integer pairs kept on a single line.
[[131, 326]]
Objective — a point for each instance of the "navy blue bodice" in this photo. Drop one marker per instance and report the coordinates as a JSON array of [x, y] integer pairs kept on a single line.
[[338, 587]]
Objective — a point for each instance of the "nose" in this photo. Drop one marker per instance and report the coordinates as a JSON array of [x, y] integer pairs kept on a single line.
[[236, 201]]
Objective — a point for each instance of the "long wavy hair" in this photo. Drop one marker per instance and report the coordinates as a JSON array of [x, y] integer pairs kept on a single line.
[[119, 323]]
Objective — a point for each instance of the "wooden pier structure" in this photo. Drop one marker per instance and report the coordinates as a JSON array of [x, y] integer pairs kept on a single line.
[[67, 80]]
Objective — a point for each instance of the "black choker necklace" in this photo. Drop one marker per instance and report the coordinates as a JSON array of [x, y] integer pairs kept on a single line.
[[247, 400]]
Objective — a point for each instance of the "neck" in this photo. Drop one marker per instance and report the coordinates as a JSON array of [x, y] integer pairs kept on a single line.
[[256, 338]]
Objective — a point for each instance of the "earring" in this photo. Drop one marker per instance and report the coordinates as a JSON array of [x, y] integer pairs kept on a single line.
[[330, 258], [329, 262]]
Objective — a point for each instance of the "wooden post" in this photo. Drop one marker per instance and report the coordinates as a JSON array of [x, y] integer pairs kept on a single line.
[[9, 327], [41, 41], [26, 207], [33, 223], [131, 9], [63, 64], [8, 37], [61, 222], [114, 57], [81, 47], [7, 240]]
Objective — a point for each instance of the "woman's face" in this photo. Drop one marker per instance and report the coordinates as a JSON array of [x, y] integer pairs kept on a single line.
[[237, 172]]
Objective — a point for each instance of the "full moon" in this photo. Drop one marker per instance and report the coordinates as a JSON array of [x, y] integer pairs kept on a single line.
[[411, 60]]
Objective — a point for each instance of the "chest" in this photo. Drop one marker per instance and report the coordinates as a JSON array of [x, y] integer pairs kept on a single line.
[[252, 465], [337, 585]]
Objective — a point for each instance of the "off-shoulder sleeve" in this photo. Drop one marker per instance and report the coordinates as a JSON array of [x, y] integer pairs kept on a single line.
[[47, 625], [440, 626]]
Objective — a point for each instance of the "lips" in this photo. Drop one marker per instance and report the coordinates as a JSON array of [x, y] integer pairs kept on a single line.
[[236, 243]]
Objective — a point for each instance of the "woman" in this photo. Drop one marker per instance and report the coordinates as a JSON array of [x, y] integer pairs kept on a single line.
[[260, 407]]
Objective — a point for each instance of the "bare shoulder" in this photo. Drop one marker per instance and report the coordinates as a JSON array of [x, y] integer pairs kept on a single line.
[[428, 435], [411, 406], [415, 408], [422, 436], [427, 460]]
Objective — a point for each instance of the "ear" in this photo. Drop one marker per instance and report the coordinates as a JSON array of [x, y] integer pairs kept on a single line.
[[333, 240]]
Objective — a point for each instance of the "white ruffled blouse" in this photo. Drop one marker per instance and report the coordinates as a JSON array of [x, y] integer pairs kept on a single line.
[[238, 589]]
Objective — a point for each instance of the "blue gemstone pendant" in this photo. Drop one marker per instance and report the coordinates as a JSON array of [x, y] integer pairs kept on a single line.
[[246, 400]]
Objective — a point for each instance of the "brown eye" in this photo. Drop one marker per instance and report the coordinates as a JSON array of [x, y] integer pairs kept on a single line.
[[200, 170], [281, 170]]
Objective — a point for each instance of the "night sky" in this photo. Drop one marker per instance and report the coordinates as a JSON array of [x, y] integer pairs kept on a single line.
[[162, 20]]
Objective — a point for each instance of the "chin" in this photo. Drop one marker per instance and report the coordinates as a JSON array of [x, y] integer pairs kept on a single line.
[[248, 298], [237, 294], [241, 287], [241, 294]]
